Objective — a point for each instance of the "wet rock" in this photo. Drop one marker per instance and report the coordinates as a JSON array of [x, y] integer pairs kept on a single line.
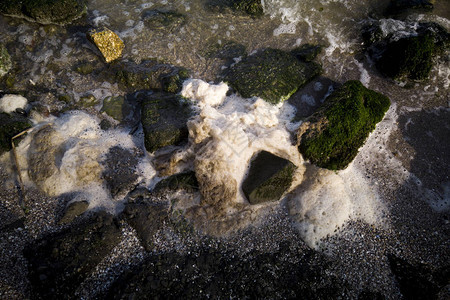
[[271, 74], [149, 75], [397, 7], [45, 11], [10, 126], [226, 50], [418, 281], [146, 219], [120, 170], [164, 118], [307, 52], [85, 68], [73, 210], [158, 19], [182, 181], [107, 42], [88, 101], [331, 137], [5, 61], [250, 7], [117, 108], [268, 178], [59, 262]]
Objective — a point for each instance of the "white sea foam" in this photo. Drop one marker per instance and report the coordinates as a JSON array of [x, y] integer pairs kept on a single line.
[[9, 103]]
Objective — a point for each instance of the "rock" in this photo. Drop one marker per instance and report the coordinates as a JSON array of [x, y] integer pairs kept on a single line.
[[164, 118], [397, 7], [107, 42], [182, 181], [73, 210], [60, 262], [85, 68], [5, 61], [117, 107], [88, 101], [146, 219], [158, 19], [10, 126], [331, 137], [11, 103], [225, 50], [149, 75], [268, 178], [120, 170], [271, 74], [60, 12], [250, 7], [307, 52]]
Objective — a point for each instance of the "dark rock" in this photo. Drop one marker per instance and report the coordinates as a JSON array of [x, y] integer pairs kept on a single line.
[[60, 262], [120, 170], [158, 19], [250, 7], [146, 219], [307, 52], [331, 137], [225, 50], [10, 126], [117, 108], [268, 178], [44, 11], [148, 75], [73, 210], [182, 181], [271, 74], [84, 68], [418, 281], [5, 61], [397, 7], [164, 118]]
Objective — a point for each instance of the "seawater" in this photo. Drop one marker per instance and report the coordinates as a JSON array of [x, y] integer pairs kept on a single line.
[[227, 130]]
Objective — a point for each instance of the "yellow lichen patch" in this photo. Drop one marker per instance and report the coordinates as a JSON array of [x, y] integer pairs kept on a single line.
[[108, 42]]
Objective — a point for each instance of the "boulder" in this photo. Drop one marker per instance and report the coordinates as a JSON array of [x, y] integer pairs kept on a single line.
[[268, 178], [58, 263], [5, 61], [73, 210], [164, 118], [331, 137], [146, 219], [107, 42], [10, 126], [157, 19], [59, 12], [272, 74]]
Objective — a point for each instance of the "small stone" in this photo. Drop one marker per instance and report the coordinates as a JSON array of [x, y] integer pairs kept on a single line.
[[108, 42], [73, 210], [5, 61], [116, 107], [268, 178], [88, 101]]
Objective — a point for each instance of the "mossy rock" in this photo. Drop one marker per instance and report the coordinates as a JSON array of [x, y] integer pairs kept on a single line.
[[272, 74], [331, 137], [164, 118], [307, 52], [44, 11], [5, 61], [158, 19], [184, 181], [250, 7], [117, 107], [10, 126], [268, 178], [88, 101], [85, 68]]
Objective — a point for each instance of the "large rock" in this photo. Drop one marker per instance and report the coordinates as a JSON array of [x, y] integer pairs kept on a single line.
[[44, 11], [5, 61], [60, 262], [268, 178], [271, 74], [164, 118], [107, 42], [10, 126], [331, 137]]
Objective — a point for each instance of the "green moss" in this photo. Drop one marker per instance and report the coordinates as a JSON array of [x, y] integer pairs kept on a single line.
[[65, 98], [88, 101], [116, 107], [408, 57], [273, 75], [341, 125], [10, 126], [251, 7], [5, 61]]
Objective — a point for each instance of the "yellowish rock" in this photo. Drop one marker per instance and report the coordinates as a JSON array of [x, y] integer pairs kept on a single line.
[[108, 42]]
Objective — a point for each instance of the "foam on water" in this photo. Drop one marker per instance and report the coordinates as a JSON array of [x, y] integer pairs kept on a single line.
[[9, 103]]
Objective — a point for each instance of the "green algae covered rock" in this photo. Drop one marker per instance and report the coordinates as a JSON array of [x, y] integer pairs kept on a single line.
[[273, 75], [44, 11], [331, 137], [5, 61], [117, 107], [268, 179], [10, 126], [184, 181], [164, 118], [251, 7]]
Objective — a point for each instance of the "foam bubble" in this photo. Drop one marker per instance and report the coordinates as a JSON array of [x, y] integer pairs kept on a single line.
[[9, 103]]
